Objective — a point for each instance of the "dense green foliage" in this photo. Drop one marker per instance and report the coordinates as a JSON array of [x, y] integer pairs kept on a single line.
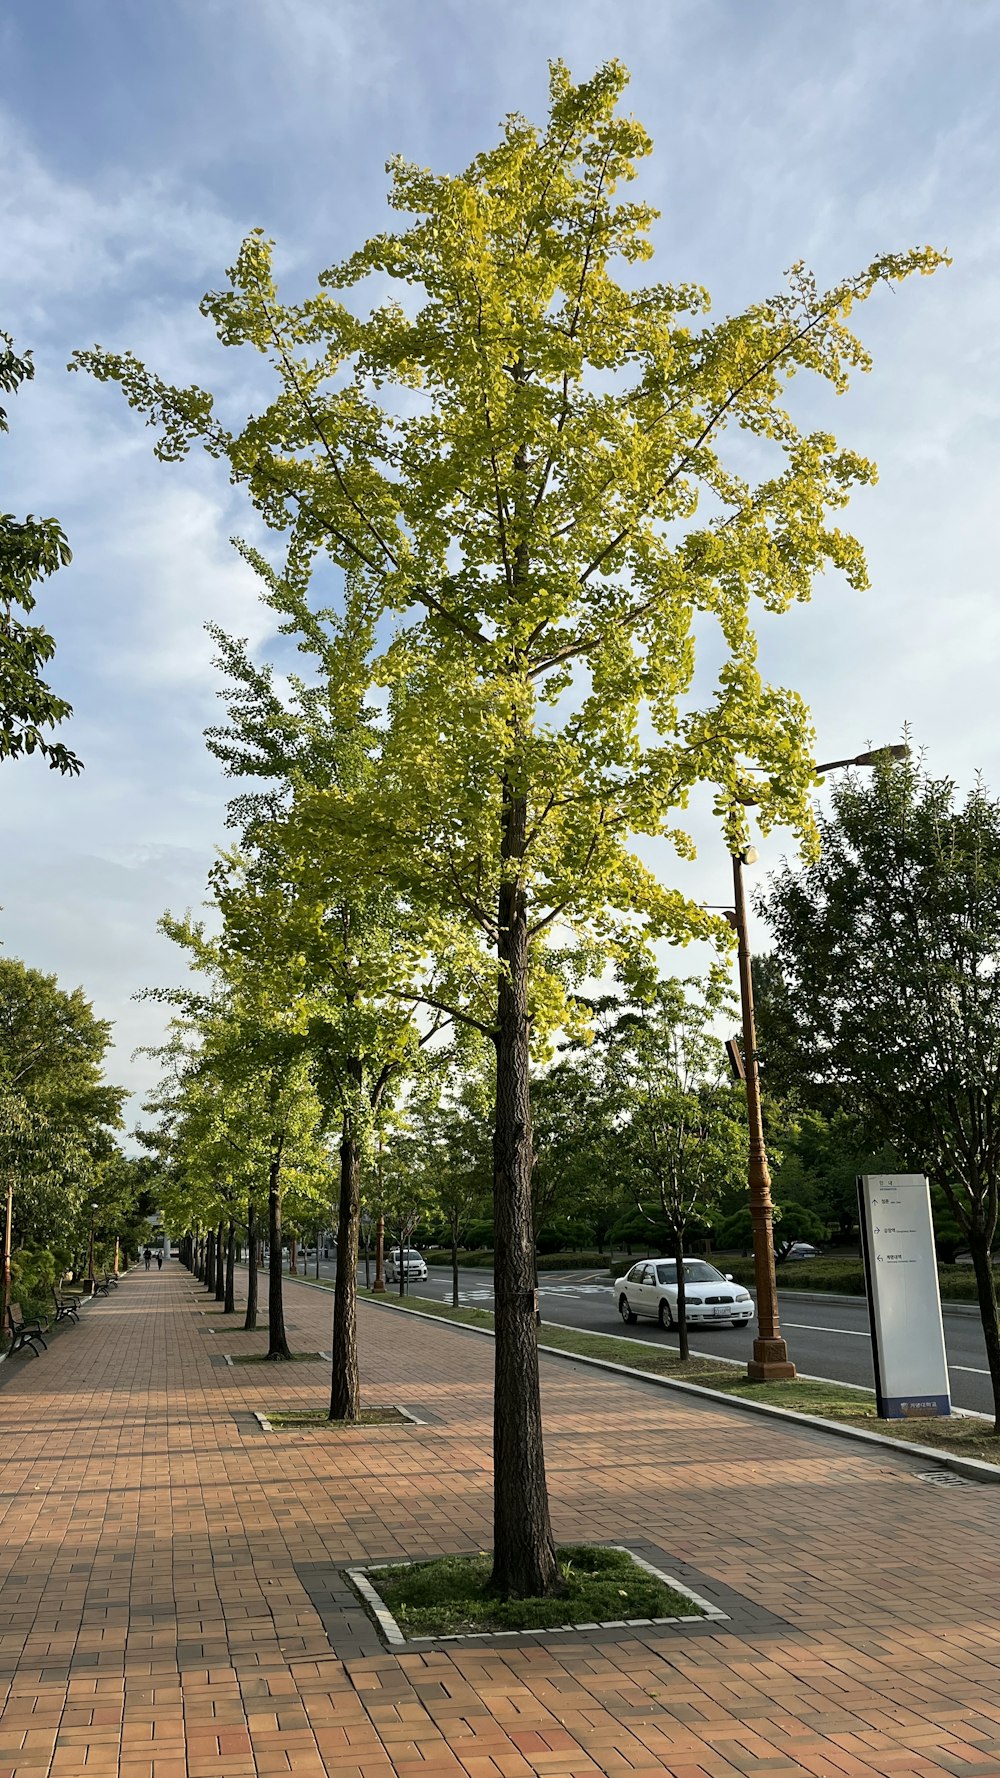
[[58, 1115], [30, 550], [889, 948]]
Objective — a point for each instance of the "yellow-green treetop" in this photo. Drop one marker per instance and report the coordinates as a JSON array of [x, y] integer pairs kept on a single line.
[[544, 482]]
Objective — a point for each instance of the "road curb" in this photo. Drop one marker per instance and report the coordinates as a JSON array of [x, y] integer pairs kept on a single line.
[[970, 1467]]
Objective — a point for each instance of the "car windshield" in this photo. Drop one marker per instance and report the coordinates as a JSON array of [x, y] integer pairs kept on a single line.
[[696, 1271]]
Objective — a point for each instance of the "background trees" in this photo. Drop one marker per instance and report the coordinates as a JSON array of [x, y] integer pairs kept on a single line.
[[889, 956], [30, 550], [57, 1118]]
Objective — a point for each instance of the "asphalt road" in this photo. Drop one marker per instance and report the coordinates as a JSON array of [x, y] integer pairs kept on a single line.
[[825, 1338]]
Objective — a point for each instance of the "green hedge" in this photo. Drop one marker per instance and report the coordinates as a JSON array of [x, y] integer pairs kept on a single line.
[[846, 1277], [547, 1262]]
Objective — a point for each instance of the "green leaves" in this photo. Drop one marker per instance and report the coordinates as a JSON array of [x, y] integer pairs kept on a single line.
[[30, 550]]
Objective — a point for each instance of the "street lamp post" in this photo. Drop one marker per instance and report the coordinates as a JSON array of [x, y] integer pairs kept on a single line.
[[8, 1230], [379, 1284], [90, 1255], [770, 1361]]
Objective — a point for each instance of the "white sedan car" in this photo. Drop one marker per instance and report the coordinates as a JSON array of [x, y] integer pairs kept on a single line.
[[413, 1265], [650, 1289]]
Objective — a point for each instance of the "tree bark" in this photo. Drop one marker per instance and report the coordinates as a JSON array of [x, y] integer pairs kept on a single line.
[[454, 1262], [250, 1320], [210, 1260], [220, 1264], [292, 1258], [682, 1319], [345, 1387], [524, 1557], [277, 1343], [230, 1297], [979, 1247]]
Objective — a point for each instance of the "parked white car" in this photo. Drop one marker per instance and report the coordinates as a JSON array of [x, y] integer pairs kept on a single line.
[[650, 1290], [413, 1264]]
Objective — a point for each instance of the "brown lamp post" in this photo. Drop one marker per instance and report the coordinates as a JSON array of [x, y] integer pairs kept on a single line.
[[90, 1253], [8, 1230], [770, 1361], [379, 1284]]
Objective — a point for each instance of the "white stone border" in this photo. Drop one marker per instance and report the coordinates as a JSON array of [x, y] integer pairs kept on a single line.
[[358, 1577], [362, 1425]]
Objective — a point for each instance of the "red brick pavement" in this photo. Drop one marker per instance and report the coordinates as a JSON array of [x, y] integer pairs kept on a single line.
[[162, 1564]]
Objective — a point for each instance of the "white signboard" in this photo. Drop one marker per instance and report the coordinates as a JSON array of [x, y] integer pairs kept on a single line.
[[911, 1367]]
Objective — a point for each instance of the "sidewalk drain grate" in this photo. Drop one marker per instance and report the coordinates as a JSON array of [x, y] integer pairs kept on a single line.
[[943, 1478]]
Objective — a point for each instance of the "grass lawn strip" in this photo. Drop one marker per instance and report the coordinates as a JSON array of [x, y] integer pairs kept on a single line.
[[605, 1587], [963, 1436]]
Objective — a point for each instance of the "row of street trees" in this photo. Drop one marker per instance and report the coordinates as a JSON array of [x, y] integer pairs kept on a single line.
[[58, 1155], [516, 495]]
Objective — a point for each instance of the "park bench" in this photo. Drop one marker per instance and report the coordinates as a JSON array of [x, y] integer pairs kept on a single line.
[[65, 1307], [25, 1333]]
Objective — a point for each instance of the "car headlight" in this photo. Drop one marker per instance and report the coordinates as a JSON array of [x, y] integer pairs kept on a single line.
[[695, 1302], [744, 1296]]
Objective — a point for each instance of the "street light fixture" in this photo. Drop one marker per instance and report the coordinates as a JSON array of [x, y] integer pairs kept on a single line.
[[90, 1258], [770, 1361]]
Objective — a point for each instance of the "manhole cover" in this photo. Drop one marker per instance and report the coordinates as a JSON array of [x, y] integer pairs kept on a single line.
[[942, 1478]]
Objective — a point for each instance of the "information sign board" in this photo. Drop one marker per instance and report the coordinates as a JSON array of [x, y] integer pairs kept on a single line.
[[904, 1302]]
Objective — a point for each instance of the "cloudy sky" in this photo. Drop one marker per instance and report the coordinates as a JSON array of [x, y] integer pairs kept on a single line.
[[140, 142]]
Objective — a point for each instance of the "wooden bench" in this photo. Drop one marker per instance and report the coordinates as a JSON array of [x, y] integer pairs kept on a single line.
[[25, 1333], [65, 1308]]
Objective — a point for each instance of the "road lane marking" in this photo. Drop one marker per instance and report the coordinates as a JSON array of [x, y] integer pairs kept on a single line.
[[811, 1327], [973, 1369]]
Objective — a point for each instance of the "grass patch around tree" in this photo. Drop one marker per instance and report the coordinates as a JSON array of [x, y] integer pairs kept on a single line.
[[308, 1418], [265, 1358], [450, 1597]]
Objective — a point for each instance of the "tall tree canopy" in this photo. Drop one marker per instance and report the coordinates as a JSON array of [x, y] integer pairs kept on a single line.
[[518, 455], [889, 949], [30, 550], [57, 1111]]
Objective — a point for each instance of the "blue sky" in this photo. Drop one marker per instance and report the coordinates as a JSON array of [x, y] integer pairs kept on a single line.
[[140, 142]]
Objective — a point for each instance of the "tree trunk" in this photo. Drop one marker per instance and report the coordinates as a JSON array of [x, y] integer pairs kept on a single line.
[[345, 1388], [454, 1262], [277, 1344], [220, 1264], [401, 1275], [250, 1320], [230, 1299], [292, 1257], [524, 1557], [210, 1260], [979, 1247], [682, 1319]]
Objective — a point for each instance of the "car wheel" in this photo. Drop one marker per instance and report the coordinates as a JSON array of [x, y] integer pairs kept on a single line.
[[625, 1312], [666, 1316]]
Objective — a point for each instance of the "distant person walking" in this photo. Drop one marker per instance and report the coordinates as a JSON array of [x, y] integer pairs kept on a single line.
[[159, 1260], [147, 1254]]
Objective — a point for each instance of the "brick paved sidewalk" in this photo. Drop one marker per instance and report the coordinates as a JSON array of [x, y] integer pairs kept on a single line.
[[171, 1606]]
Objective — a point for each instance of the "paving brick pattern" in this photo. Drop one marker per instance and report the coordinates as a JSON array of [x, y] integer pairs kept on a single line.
[[171, 1603]]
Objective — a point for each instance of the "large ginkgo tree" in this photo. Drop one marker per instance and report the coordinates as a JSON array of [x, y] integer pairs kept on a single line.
[[544, 482]]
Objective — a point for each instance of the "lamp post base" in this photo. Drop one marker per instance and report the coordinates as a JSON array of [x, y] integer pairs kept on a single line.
[[770, 1362]]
